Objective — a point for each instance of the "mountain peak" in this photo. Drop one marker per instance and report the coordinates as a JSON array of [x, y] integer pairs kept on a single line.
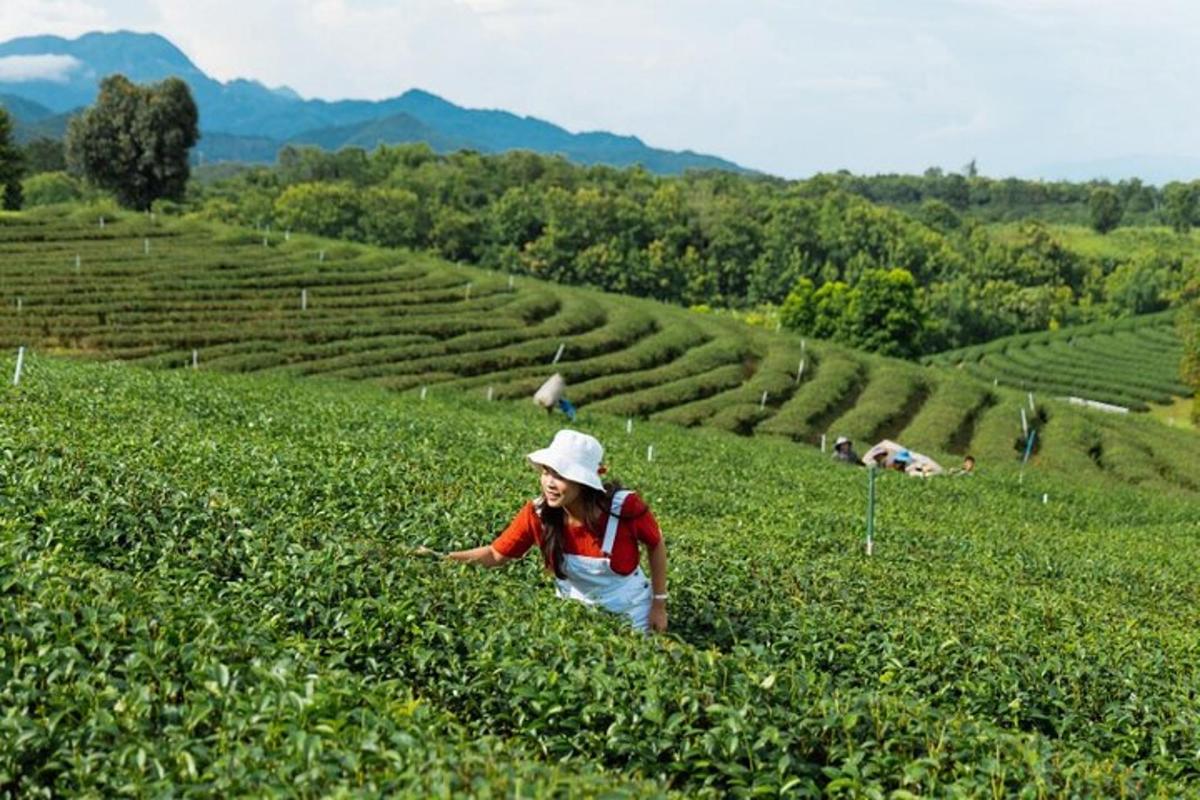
[[63, 75]]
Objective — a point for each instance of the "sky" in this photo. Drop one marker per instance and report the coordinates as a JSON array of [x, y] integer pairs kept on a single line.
[[1023, 87]]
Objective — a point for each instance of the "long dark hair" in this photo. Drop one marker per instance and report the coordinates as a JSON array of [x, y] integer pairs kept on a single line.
[[596, 503]]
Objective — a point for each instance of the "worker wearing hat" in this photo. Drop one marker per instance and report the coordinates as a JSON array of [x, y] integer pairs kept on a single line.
[[589, 534], [844, 452]]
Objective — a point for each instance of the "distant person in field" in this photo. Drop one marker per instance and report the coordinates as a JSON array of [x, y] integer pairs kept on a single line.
[[967, 468], [843, 451], [900, 461], [589, 533]]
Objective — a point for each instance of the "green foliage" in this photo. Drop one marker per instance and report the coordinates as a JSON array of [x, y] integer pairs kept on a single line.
[[1179, 206], [880, 313], [720, 240], [799, 309], [1104, 209], [48, 188], [12, 164], [1189, 366], [211, 580], [326, 209], [946, 422], [1140, 286], [44, 155], [883, 315], [1129, 362], [406, 321], [892, 397], [135, 140]]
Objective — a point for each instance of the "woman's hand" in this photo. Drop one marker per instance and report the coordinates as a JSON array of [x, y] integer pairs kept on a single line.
[[658, 616]]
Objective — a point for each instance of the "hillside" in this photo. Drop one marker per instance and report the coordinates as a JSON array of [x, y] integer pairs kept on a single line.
[[1129, 363], [209, 577], [162, 293], [244, 120]]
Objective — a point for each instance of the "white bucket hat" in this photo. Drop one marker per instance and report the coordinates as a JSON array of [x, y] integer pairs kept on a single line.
[[573, 455]]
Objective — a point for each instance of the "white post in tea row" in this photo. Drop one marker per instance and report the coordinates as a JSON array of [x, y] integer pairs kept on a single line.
[[20, 363]]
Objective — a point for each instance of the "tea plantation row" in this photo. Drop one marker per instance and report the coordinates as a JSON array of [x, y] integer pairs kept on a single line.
[[206, 589], [171, 294], [1130, 362]]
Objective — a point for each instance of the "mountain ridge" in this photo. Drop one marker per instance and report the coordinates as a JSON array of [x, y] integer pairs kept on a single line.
[[243, 116]]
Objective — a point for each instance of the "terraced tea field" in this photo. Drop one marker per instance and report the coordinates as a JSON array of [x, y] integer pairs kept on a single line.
[[173, 295], [207, 589], [1129, 363]]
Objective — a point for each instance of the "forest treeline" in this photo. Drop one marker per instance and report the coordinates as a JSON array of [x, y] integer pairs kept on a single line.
[[832, 252], [858, 271]]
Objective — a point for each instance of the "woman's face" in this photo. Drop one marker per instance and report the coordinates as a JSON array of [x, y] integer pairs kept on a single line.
[[558, 491]]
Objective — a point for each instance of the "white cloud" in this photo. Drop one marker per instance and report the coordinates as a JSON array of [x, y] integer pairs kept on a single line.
[[61, 17], [22, 69]]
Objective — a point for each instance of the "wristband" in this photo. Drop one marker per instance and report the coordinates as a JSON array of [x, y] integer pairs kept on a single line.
[[662, 596]]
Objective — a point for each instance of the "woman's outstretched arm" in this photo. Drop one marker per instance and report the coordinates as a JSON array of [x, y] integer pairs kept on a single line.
[[486, 556]]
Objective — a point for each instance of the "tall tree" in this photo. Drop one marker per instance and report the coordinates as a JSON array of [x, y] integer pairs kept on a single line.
[[11, 164], [1179, 206], [1104, 209], [135, 140]]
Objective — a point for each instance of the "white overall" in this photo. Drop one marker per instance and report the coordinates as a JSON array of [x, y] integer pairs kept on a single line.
[[592, 581]]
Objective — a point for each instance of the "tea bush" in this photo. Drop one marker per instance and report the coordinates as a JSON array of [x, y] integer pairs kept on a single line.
[[206, 587]]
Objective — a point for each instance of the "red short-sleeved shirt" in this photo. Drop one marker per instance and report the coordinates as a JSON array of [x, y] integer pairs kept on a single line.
[[637, 525]]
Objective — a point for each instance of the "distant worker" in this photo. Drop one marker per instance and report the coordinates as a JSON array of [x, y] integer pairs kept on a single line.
[[843, 451], [967, 468], [589, 534], [900, 461], [551, 395]]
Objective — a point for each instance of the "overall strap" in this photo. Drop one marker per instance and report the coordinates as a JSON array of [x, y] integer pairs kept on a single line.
[[614, 518]]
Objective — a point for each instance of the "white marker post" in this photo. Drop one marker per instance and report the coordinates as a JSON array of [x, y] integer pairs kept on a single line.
[[78, 262], [822, 443], [558, 355], [304, 299], [287, 235], [469, 285], [195, 359], [102, 223], [800, 371], [762, 403], [489, 393], [424, 390], [18, 305], [871, 510], [20, 363], [629, 424], [146, 245], [1024, 423], [1045, 498], [650, 452], [1031, 409]]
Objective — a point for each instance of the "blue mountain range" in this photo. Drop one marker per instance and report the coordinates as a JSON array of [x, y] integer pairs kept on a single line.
[[44, 79]]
